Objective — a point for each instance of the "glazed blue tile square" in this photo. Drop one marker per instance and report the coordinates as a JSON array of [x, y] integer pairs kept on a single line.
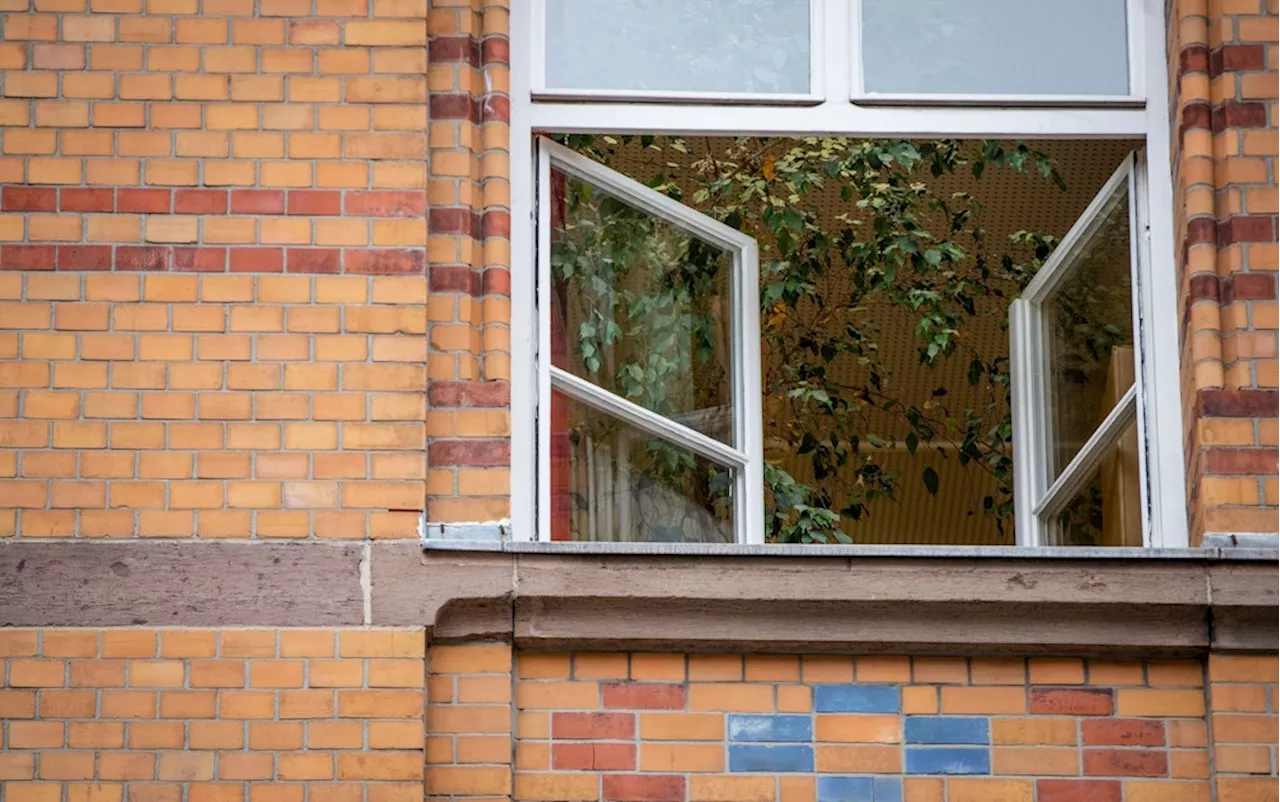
[[846, 789], [856, 699], [757, 757], [947, 730], [771, 729], [948, 760], [888, 789]]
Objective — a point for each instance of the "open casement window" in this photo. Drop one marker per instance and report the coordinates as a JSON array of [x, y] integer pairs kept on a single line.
[[1078, 380], [649, 363]]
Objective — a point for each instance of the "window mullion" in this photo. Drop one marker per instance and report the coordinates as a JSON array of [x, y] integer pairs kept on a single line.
[[650, 422]]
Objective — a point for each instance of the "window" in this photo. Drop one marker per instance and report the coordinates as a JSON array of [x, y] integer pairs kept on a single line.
[[1075, 348], [649, 312], [602, 400]]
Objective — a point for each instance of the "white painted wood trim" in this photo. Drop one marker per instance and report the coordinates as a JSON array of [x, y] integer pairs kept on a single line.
[[1076, 475]]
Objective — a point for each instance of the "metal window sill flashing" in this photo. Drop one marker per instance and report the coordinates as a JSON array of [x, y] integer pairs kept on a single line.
[[1250, 552]]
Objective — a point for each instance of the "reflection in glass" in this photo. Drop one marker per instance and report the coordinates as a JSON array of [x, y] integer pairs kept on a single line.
[[1089, 332], [613, 482], [640, 308], [995, 47], [757, 46], [1108, 512]]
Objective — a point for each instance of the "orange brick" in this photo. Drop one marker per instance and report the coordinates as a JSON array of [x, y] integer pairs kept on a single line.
[[988, 700], [1159, 703], [467, 659], [1039, 730], [681, 758], [588, 665], [858, 759], [1056, 671], [652, 666], [858, 729], [706, 667], [559, 695]]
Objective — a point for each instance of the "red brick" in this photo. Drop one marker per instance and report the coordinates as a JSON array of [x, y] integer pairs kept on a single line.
[[593, 757], [1245, 228], [84, 257], [496, 224], [454, 221], [257, 201], [1239, 114], [132, 257], [200, 260], [386, 204], [583, 726], [1237, 403], [481, 453], [386, 261], [1125, 763], [257, 260], [1072, 702], [143, 201], [1078, 791], [643, 788], [27, 257], [1236, 58], [644, 695], [200, 201], [315, 202], [496, 281], [312, 260], [468, 394], [29, 199], [72, 199], [1122, 732], [1240, 460], [456, 49]]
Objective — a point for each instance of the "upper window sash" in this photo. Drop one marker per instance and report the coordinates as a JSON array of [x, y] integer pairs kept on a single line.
[[838, 73]]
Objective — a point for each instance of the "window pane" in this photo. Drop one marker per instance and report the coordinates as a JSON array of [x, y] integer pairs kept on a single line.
[[1004, 47], [640, 308], [1108, 512], [759, 46], [613, 482], [1089, 332]]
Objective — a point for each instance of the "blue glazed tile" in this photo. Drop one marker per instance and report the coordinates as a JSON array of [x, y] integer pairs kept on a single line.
[[754, 757], [772, 729], [888, 789], [948, 760], [846, 789], [947, 730], [856, 699]]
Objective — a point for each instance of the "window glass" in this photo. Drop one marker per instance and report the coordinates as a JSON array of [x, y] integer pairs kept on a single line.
[[995, 47], [1089, 333], [1108, 511], [613, 482], [640, 308], [738, 46]]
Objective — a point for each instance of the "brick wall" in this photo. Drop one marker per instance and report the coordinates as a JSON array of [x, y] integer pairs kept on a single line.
[[1242, 721], [211, 716], [1224, 60], [729, 728], [214, 312]]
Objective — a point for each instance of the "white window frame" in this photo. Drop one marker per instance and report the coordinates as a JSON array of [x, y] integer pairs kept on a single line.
[[1039, 497], [746, 456], [837, 116]]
